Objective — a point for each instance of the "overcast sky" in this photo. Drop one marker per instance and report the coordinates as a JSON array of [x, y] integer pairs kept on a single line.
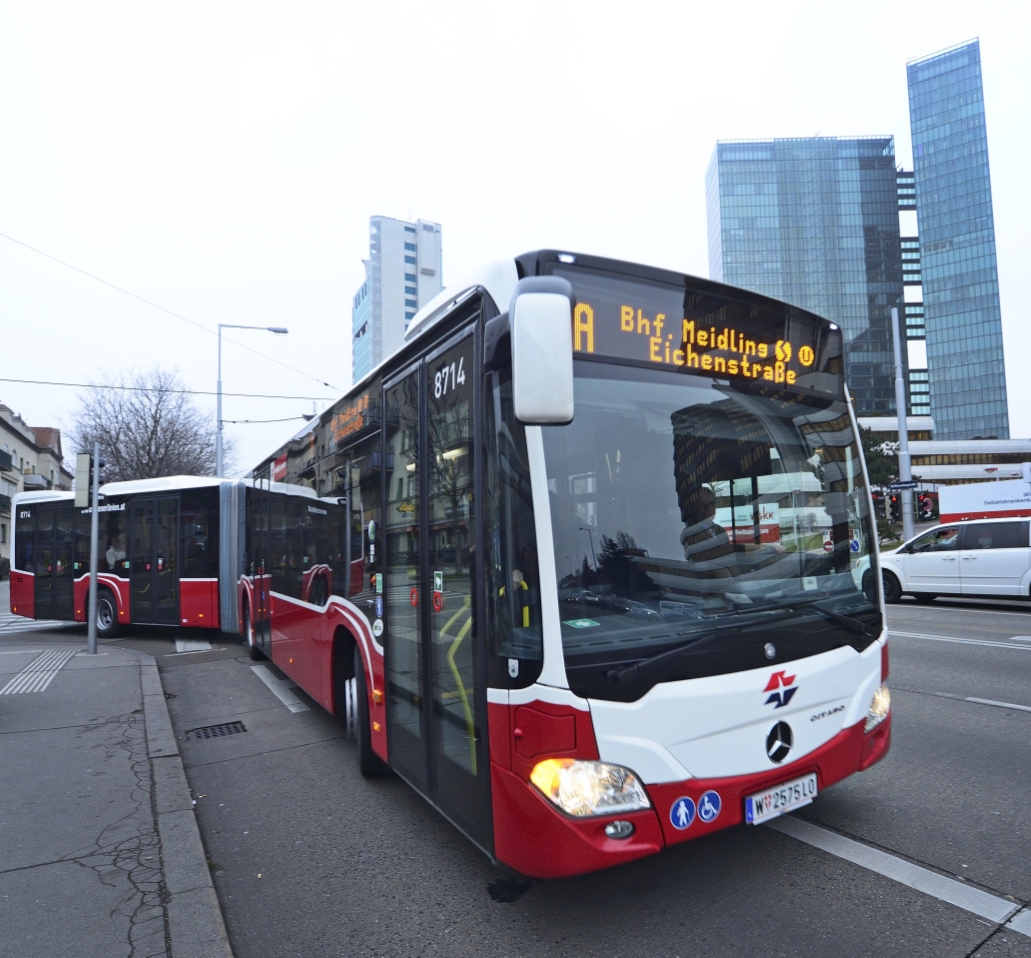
[[223, 159]]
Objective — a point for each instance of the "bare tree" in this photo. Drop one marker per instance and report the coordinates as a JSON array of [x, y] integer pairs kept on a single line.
[[147, 427]]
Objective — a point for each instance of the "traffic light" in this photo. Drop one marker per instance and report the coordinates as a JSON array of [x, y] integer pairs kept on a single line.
[[896, 509], [84, 479]]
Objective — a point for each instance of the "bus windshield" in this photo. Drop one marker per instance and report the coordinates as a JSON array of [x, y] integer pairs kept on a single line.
[[703, 527]]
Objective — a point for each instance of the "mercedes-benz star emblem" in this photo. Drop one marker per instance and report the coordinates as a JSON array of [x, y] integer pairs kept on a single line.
[[778, 742], [770, 649]]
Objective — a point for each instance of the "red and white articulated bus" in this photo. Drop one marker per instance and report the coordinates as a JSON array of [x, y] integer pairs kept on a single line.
[[604, 542], [178, 551], [606, 524]]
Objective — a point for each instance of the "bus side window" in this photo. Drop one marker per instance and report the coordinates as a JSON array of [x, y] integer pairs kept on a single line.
[[510, 563]]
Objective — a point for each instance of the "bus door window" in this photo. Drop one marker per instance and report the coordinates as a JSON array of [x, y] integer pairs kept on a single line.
[[510, 565], [198, 518], [453, 631], [404, 588], [25, 539], [366, 476]]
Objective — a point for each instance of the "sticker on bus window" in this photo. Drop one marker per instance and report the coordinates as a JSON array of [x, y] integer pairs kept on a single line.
[[581, 623]]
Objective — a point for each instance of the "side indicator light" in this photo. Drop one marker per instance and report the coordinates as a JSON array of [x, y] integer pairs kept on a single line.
[[376, 726], [377, 696]]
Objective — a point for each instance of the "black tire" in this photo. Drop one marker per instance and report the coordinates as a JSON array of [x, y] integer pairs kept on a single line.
[[107, 614], [892, 588], [248, 635], [369, 763]]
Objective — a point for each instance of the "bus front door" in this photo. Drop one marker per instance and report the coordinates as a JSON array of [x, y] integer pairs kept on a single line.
[[154, 569], [435, 658], [54, 579]]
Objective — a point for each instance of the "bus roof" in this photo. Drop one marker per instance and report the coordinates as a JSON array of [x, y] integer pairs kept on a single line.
[[135, 487]]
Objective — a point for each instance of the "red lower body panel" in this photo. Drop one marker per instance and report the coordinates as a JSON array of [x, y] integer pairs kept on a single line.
[[535, 838], [198, 602], [23, 593]]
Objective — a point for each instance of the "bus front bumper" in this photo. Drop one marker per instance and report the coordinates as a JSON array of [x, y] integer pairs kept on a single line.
[[532, 836]]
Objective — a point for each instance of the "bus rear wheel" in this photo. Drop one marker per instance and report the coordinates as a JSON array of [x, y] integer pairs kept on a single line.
[[107, 614], [248, 633], [369, 763]]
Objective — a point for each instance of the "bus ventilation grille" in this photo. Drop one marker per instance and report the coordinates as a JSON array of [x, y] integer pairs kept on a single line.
[[215, 731]]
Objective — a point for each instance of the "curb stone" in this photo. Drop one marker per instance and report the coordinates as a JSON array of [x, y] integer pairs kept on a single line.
[[195, 924]]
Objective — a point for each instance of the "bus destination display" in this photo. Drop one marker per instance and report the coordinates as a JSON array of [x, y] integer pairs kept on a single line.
[[723, 339]]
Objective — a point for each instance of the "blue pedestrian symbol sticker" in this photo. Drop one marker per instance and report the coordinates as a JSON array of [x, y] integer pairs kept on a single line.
[[682, 813], [379, 607], [709, 806]]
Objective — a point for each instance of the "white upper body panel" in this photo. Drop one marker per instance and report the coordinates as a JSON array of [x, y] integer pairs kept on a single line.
[[717, 726]]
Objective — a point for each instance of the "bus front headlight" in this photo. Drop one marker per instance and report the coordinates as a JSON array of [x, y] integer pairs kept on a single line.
[[584, 788], [880, 705]]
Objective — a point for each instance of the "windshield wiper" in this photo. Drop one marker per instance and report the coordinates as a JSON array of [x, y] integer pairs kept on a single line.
[[839, 618], [627, 673], [845, 621]]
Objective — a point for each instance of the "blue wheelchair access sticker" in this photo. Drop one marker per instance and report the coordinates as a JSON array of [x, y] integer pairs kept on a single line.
[[682, 813], [709, 806]]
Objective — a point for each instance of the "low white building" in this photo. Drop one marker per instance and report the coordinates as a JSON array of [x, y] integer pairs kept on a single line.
[[31, 459]]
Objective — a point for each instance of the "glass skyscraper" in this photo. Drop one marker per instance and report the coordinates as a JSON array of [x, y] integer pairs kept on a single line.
[[957, 245], [815, 221]]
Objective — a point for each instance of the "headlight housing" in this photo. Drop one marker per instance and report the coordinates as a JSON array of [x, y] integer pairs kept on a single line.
[[583, 788], [880, 706]]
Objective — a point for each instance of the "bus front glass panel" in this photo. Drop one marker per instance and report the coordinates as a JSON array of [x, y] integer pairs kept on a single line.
[[705, 524]]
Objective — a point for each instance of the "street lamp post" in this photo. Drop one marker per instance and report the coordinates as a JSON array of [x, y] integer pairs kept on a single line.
[[279, 331]]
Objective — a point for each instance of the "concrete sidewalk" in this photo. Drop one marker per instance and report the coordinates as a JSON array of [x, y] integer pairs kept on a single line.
[[100, 854]]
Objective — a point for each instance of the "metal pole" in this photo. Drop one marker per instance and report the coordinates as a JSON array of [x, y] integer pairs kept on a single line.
[[94, 550], [218, 414], [905, 470]]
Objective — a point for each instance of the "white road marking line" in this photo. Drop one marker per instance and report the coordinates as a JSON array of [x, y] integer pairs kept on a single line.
[[974, 611], [1001, 705], [279, 689], [39, 673], [953, 638], [954, 892], [1021, 922], [965, 698], [20, 651]]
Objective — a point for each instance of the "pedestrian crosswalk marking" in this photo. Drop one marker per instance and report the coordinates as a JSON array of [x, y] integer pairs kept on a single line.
[[39, 673]]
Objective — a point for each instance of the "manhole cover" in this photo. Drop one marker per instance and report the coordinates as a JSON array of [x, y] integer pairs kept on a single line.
[[215, 731]]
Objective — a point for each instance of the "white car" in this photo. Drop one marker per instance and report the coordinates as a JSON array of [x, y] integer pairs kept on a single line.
[[984, 557]]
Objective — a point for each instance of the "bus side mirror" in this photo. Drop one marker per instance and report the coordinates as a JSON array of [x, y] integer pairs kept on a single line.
[[542, 350]]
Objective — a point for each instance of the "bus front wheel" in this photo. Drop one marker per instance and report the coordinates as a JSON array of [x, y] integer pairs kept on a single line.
[[369, 763], [107, 614]]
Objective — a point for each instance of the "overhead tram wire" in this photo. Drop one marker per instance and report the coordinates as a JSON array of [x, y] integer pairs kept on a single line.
[[151, 389], [163, 309]]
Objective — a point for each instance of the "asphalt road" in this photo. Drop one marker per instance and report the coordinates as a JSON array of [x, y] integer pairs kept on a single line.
[[310, 859]]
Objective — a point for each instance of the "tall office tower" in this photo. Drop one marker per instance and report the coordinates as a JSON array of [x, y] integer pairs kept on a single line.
[[402, 274], [911, 317], [957, 245], [815, 221]]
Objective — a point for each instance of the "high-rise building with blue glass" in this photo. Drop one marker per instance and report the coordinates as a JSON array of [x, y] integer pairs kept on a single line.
[[815, 221], [957, 245], [402, 274]]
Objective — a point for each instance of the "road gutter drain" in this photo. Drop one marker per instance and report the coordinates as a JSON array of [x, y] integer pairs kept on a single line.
[[214, 731]]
